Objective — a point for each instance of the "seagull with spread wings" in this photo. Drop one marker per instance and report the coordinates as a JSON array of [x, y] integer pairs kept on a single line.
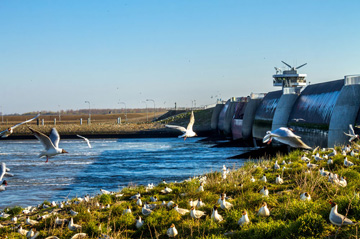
[[286, 136], [188, 132], [10, 130], [86, 140], [351, 133], [51, 144]]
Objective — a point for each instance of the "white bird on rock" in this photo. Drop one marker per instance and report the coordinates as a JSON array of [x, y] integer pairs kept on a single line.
[[188, 132], [286, 136], [51, 144], [10, 130]]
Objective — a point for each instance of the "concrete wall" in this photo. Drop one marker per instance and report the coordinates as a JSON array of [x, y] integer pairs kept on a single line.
[[345, 113], [249, 117], [265, 113], [215, 116], [283, 110], [229, 114]]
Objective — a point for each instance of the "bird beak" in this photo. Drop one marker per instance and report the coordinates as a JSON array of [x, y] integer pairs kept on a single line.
[[64, 151]]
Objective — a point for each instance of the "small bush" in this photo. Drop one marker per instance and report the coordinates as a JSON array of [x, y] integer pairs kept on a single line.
[[105, 199], [309, 225]]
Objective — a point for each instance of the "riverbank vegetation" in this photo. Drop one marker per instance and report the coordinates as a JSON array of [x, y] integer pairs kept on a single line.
[[289, 217]]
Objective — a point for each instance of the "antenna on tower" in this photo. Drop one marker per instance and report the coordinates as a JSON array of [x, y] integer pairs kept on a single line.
[[293, 68]]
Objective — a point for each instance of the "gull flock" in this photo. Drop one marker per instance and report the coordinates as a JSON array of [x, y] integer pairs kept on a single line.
[[221, 207]]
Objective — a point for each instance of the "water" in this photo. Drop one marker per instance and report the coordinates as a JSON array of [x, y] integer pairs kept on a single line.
[[111, 164]]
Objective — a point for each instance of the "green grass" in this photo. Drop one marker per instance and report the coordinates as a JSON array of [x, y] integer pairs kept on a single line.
[[290, 217]]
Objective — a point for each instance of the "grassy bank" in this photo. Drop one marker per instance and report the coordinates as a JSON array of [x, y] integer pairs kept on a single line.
[[290, 217], [107, 124]]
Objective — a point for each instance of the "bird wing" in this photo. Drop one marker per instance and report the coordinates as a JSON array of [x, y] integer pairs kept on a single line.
[[182, 129], [27, 121], [348, 134], [339, 219], [4, 132], [2, 171], [87, 141], [55, 137], [192, 121], [44, 140], [351, 129], [293, 142]]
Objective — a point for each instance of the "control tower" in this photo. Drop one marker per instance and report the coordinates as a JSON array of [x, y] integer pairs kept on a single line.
[[290, 80]]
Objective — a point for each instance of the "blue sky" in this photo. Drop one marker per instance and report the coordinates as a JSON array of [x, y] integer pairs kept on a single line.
[[68, 52]]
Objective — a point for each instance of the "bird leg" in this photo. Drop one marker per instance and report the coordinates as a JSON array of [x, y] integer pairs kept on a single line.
[[47, 159], [269, 142], [184, 138]]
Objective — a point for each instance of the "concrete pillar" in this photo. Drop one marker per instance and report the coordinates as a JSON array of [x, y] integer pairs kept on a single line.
[[229, 115], [283, 110], [81, 121], [249, 116], [54, 121], [42, 122], [215, 116], [88, 121], [345, 111], [119, 120]]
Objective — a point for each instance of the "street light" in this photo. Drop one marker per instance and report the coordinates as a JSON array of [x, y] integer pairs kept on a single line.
[[59, 114], [89, 109], [125, 110], [147, 115], [154, 105]]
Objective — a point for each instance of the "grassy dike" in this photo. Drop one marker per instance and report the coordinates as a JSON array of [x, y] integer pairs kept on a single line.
[[290, 217]]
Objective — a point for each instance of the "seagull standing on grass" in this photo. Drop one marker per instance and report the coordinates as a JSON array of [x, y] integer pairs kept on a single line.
[[10, 130], [305, 197], [188, 132], [336, 218], [172, 232], [244, 219], [86, 140], [196, 214], [51, 144], [264, 210], [216, 216]]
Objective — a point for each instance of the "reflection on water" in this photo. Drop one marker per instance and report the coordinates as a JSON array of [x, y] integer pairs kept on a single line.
[[110, 164]]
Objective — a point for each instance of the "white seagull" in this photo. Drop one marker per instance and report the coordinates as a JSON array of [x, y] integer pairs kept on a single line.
[[285, 136], [10, 130], [188, 132], [86, 140], [351, 134], [172, 232], [216, 216], [338, 219], [305, 196], [2, 174], [244, 219], [51, 144], [264, 210]]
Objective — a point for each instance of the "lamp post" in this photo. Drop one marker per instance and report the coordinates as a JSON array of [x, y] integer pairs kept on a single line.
[[154, 105], [89, 109], [125, 110], [147, 115], [59, 114]]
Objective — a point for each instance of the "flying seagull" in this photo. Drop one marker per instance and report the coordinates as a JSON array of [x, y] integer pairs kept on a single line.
[[188, 132], [10, 130], [87, 141], [351, 134], [285, 136], [51, 144]]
